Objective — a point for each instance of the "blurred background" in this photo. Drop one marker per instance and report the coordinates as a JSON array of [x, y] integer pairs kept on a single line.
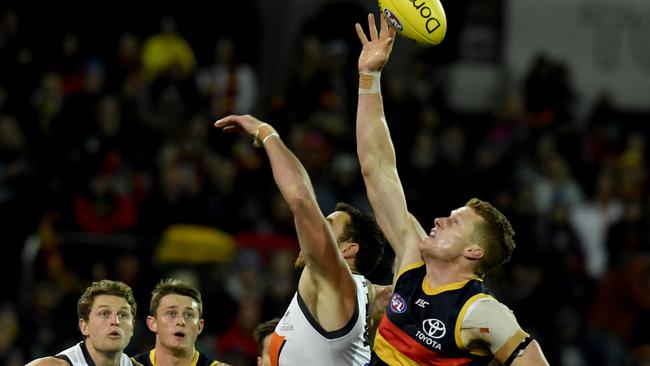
[[110, 167]]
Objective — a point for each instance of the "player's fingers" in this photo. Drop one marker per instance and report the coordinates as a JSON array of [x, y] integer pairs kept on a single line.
[[226, 121], [383, 25], [372, 27], [387, 28], [231, 128], [361, 34]]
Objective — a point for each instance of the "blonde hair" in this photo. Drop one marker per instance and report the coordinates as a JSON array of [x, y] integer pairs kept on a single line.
[[494, 234]]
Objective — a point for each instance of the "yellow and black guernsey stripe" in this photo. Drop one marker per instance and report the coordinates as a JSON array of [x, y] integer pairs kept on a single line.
[[149, 359], [422, 324]]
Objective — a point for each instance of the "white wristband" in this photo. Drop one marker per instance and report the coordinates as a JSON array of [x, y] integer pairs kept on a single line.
[[369, 82], [263, 130], [272, 134]]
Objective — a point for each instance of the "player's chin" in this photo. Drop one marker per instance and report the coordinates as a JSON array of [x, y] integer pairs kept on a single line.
[[114, 346], [426, 243], [300, 262]]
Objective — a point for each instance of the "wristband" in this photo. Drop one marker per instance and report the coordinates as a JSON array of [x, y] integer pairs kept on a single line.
[[264, 131], [369, 82], [272, 134]]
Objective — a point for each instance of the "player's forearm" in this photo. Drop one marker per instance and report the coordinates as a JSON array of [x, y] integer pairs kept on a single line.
[[289, 174], [374, 145]]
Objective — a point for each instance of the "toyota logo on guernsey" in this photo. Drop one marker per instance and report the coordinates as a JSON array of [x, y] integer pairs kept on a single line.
[[434, 328], [397, 304]]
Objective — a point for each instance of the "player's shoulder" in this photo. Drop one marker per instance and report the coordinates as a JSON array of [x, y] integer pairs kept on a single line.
[[48, 361], [490, 304], [488, 310]]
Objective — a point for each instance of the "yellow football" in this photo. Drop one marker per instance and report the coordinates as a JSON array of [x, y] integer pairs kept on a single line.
[[422, 21]]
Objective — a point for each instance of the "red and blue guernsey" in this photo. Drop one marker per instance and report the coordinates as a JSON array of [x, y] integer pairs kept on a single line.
[[422, 325]]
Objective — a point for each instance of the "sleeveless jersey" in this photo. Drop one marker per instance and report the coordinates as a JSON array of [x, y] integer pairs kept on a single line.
[[422, 325], [149, 359], [299, 340], [78, 356]]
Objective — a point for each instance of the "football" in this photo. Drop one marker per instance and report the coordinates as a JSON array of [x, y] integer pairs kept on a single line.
[[421, 21]]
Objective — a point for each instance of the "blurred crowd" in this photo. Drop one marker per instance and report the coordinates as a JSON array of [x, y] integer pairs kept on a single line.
[[110, 166]]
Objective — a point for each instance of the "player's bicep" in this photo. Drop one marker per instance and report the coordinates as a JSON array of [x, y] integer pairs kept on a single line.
[[493, 324], [531, 355], [388, 202]]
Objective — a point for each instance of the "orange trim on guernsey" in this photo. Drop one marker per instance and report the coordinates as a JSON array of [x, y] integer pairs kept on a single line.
[[275, 346]]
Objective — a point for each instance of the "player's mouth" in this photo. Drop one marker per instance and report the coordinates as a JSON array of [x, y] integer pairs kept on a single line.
[[179, 335], [114, 334]]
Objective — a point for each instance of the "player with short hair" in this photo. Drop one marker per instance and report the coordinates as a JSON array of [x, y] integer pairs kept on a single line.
[[262, 335], [326, 321], [176, 316], [441, 312], [106, 312]]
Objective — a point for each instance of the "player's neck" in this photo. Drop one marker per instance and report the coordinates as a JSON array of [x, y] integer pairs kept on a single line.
[[444, 273], [353, 267], [103, 358], [165, 356]]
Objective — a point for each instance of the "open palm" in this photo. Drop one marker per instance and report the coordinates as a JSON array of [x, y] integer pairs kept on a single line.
[[375, 51]]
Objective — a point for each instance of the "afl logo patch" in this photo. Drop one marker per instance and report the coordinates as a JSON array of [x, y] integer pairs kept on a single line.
[[397, 304]]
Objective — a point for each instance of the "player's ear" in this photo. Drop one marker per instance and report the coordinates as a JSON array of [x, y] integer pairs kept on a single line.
[[83, 327], [349, 249], [474, 252], [201, 323], [152, 324]]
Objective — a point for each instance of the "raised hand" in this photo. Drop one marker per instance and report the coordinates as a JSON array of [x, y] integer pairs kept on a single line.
[[375, 51], [234, 123]]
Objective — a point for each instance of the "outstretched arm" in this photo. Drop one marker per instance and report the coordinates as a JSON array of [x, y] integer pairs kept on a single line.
[[48, 361], [324, 263], [376, 151]]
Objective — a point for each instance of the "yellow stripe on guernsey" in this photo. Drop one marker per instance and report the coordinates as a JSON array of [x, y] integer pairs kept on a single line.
[[152, 357], [451, 286], [459, 323], [390, 355], [409, 267]]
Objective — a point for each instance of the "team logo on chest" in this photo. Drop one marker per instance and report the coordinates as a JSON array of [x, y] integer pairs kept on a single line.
[[421, 303], [397, 304], [432, 329]]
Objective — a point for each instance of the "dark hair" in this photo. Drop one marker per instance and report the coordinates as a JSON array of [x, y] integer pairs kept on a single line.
[[104, 287], [363, 230], [494, 233], [262, 330], [173, 286]]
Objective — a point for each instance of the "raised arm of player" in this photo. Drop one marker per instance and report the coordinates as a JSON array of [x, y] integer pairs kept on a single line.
[[376, 151], [326, 275]]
